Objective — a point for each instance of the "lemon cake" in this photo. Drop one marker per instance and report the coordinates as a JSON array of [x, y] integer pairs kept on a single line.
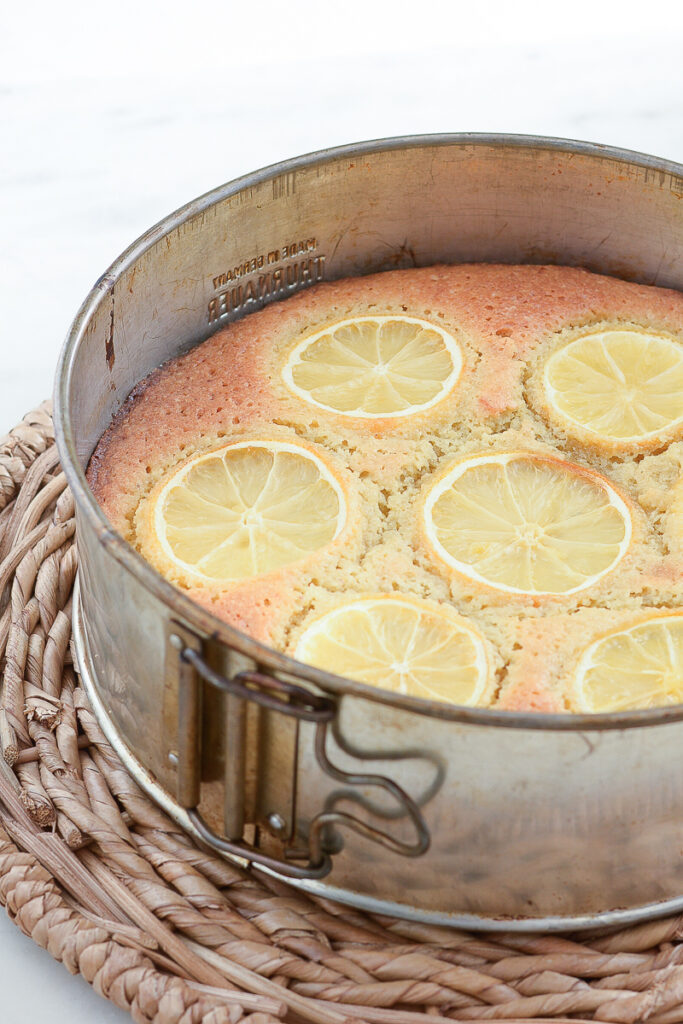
[[459, 483]]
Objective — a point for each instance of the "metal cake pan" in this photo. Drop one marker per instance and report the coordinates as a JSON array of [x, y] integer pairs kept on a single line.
[[469, 817]]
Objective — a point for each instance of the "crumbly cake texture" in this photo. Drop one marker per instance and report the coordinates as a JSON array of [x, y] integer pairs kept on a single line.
[[507, 320]]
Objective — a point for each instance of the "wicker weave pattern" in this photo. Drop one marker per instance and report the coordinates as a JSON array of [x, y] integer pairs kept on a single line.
[[97, 874]]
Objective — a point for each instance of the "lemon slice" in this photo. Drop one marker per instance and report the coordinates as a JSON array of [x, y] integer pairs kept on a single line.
[[623, 385], [247, 509], [404, 645], [527, 524], [640, 667], [375, 366]]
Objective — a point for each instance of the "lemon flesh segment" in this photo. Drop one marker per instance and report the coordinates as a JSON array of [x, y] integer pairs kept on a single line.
[[401, 645], [248, 509], [623, 385], [527, 524], [640, 667], [375, 367]]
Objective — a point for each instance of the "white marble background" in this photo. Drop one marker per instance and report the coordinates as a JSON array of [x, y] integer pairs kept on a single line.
[[111, 116]]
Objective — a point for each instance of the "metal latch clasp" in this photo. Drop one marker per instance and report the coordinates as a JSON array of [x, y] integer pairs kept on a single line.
[[267, 691], [294, 701]]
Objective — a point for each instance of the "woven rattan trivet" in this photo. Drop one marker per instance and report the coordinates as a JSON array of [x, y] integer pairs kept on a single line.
[[98, 875]]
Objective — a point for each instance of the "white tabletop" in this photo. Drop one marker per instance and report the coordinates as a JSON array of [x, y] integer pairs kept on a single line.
[[111, 117]]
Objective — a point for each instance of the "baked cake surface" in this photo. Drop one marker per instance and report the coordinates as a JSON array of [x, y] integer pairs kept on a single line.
[[500, 429]]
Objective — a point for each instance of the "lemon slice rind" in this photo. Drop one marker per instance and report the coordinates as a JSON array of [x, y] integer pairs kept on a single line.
[[322, 627], [467, 570], [636, 636], [446, 386], [272, 446]]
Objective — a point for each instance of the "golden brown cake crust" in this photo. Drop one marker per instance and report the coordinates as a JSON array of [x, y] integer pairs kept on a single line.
[[505, 320]]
